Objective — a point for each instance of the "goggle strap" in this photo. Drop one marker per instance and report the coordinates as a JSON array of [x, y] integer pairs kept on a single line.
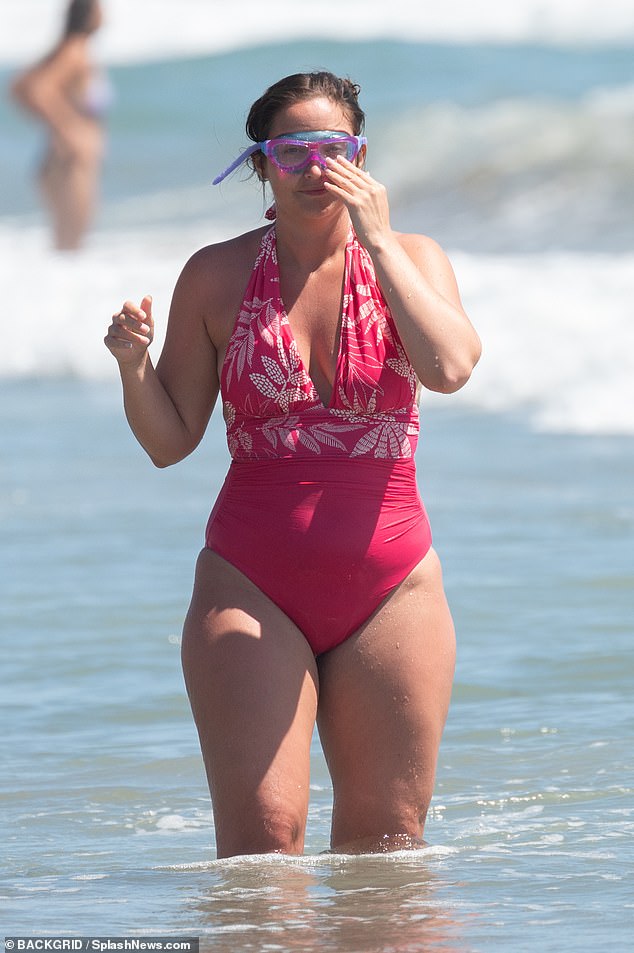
[[236, 162]]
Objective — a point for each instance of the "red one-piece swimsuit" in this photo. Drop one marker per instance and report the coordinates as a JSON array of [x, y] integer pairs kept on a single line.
[[320, 508]]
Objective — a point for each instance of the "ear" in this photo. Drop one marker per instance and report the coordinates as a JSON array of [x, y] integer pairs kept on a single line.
[[259, 166], [360, 160]]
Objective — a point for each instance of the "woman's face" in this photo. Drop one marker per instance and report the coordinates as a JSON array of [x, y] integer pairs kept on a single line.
[[305, 190]]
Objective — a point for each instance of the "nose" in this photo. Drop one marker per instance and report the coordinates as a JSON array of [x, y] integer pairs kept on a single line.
[[315, 159]]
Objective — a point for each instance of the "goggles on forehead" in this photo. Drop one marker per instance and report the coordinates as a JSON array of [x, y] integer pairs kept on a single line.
[[297, 150]]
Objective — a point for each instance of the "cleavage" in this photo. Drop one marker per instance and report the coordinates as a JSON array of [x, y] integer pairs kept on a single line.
[[314, 314]]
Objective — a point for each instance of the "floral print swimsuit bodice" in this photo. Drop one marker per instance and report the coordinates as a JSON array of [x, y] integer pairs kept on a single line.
[[270, 404]]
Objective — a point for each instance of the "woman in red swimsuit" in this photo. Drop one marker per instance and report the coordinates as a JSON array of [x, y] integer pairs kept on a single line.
[[318, 597]]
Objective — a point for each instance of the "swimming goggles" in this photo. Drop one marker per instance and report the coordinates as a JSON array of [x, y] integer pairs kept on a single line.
[[295, 151]]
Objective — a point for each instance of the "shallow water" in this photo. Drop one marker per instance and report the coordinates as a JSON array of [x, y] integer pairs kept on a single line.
[[517, 157], [108, 828]]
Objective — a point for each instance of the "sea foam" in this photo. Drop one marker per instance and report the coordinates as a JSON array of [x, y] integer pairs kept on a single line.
[[556, 327], [152, 29]]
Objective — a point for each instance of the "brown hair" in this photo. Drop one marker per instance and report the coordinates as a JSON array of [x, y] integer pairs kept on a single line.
[[79, 17], [298, 87]]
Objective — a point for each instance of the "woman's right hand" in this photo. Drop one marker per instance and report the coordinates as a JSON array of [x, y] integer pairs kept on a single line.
[[131, 332]]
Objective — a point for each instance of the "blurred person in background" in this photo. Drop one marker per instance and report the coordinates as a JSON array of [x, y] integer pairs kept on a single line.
[[67, 92]]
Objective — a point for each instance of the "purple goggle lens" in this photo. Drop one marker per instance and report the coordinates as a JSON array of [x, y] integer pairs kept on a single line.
[[296, 151]]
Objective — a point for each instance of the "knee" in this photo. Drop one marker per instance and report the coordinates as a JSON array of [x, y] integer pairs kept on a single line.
[[264, 831], [375, 826], [284, 832]]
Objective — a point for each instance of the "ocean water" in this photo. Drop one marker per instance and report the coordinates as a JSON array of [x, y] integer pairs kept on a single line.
[[510, 138]]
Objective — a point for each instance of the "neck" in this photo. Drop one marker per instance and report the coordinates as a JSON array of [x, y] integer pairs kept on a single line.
[[310, 243]]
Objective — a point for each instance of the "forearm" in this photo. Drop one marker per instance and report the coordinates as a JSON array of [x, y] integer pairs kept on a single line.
[[153, 416], [416, 279], [439, 339]]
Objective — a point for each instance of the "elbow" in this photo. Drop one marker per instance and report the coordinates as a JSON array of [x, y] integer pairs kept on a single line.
[[162, 462], [25, 93], [17, 93], [169, 456], [449, 383], [453, 375], [33, 94]]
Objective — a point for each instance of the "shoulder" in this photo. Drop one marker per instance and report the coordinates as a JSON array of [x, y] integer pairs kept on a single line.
[[67, 60], [223, 259], [426, 253], [432, 262], [215, 269], [420, 246], [75, 49], [213, 280]]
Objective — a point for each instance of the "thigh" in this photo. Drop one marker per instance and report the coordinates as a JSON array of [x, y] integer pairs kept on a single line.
[[384, 696], [252, 683]]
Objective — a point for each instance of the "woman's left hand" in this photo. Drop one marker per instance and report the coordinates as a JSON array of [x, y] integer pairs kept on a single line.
[[365, 198]]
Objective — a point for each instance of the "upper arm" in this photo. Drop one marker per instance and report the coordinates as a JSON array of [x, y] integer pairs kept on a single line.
[[45, 81], [434, 265], [446, 347], [187, 367]]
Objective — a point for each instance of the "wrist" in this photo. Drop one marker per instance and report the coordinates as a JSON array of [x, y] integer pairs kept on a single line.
[[134, 372], [382, 244]]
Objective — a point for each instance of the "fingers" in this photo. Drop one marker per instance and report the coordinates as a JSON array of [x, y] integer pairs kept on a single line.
[[137, 314], [131, 323], [132, 328], [365, 198], [352, 183], [347, 171], [146, 306]]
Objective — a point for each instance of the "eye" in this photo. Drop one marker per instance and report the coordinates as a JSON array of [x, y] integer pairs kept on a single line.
[[332, 150], [290, 153]]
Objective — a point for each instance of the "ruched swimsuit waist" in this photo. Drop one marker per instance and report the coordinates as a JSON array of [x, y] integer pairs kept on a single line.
[[326, 539], [380, 478]]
